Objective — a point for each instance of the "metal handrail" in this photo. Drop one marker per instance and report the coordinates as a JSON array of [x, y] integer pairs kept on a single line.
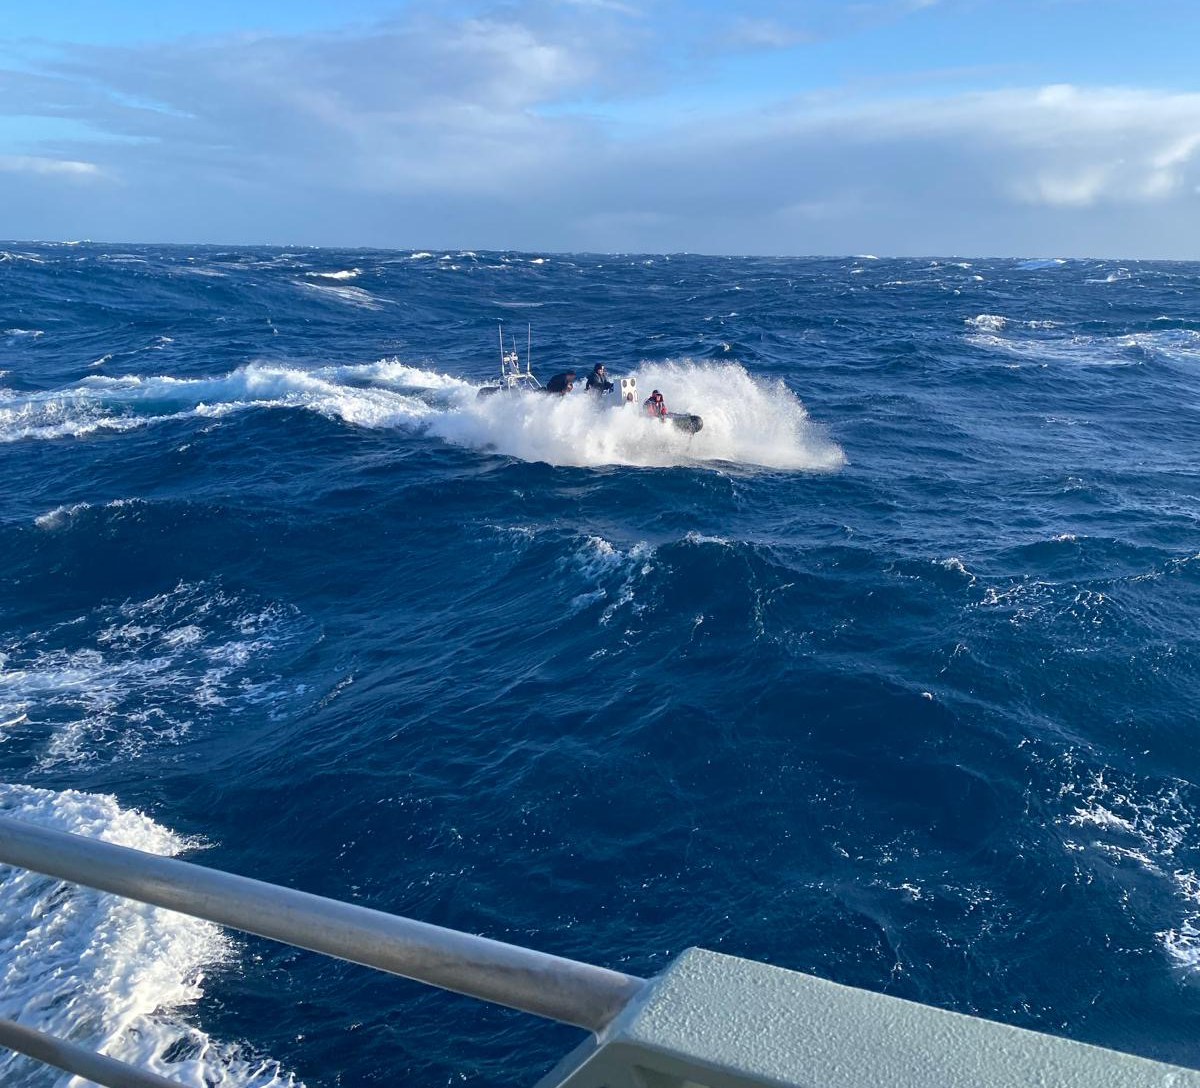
[[99, 1068], [559, 989]]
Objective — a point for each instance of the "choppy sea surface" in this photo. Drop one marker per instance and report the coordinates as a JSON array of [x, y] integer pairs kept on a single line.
[[890, 674]]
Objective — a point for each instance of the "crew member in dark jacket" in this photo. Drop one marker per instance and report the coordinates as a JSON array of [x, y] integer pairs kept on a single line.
[[597, 380], [561, 383]]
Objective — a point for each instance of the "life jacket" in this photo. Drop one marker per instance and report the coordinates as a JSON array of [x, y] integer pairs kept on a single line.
[[656, 408]]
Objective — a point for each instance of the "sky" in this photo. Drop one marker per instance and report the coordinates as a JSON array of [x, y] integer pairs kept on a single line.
[[892, 127]]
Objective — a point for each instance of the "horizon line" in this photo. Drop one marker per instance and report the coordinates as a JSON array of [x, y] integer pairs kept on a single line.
[[602, 253]]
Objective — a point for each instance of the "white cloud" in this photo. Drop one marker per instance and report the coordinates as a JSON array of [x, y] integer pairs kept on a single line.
[[756, 33], [36, 164]]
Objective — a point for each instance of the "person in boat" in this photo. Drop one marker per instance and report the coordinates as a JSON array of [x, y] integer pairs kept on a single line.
[[561, 383], [597, 380], [655, 405]]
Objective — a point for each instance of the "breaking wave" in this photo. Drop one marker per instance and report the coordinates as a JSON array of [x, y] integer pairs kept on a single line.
[[1130, 349], [747, 420], [351, 296], [343, 274]]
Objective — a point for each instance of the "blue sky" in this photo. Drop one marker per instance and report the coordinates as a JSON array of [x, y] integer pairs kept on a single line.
[[919, 127]]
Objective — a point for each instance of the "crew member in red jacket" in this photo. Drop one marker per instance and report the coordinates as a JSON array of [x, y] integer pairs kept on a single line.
[[655, 406]]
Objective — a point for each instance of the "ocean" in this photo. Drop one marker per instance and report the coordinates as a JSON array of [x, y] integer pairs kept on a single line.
[[888, 675]]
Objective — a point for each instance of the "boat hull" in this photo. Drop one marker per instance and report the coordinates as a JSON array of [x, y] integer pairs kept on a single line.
[[689, 424]]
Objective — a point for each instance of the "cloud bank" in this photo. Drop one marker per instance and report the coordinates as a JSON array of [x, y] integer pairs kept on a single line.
[[546, 126]]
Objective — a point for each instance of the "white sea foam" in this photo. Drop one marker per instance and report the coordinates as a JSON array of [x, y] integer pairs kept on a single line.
[[1076, 350], [614, 574], [1150, 829], [955, 564], [352, 296], [101, 403], [32, 333], [747, 420], [991, 322], [62, 515], [1040, 263], [107, 973], [997, 323], [195, 270], [344, 274], [112, 683], [1169, 345]]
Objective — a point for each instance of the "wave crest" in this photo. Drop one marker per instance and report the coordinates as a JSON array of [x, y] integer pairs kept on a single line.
[[747, 420]]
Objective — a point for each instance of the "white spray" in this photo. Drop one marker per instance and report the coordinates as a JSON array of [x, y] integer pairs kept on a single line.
[[747, 420]]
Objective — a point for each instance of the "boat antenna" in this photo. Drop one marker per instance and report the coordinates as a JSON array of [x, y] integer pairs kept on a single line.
[[500, 326], [528, 347]]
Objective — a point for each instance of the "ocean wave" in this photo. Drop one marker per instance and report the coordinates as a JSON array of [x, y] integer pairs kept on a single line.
[[113, 683], [1128, 349], [747, 420], [343, 274], [61, 516], [613, 574], [352, 296], [107, 973], [997, 323], [1132, 822], [124, 403]]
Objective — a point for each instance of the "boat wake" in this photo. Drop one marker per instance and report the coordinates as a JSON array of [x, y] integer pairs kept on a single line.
[[107, 973]]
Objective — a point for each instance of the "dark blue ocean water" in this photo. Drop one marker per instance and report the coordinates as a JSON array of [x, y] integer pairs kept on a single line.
[[889, 675]]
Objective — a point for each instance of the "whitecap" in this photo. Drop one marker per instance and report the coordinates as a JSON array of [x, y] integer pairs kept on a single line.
[[62, 515], [353, 296]]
